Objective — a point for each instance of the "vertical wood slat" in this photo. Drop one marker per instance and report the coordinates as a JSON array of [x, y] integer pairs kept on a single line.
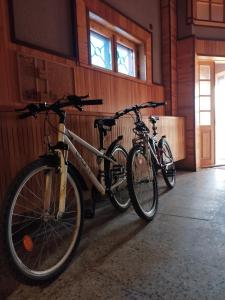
[[169, 46], [210, 47], [186, 96], [23, 140]]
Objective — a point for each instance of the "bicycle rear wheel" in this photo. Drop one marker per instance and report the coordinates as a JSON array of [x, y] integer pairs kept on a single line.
[[168, 165], [116, 179], [39, 244], [142, 183]]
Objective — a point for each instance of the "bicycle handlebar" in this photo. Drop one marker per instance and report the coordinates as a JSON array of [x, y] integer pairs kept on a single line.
[[72, 100], [134, 108]]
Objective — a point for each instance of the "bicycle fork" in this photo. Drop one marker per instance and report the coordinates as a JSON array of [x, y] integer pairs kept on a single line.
[[63, 168]]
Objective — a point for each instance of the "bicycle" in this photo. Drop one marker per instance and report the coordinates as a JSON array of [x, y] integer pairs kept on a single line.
[[162, 155], [44, 205], [144, 159]]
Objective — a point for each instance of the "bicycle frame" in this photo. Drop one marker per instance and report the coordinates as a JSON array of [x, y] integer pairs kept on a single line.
[[157, 151], [66, 136]]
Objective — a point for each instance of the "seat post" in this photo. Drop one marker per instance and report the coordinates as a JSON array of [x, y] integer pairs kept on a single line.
[[101, 137]]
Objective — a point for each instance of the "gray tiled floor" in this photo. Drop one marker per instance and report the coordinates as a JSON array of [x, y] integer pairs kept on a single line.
[[180, 255]]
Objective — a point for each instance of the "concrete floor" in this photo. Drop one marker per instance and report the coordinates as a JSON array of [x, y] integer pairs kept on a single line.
[[180, 255]]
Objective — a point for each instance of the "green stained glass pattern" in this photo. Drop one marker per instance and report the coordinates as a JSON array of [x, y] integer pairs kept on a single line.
[[125, 60], [101, 54]]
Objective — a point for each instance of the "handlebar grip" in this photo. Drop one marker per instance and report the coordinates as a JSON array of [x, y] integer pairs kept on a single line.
[[92, 102]]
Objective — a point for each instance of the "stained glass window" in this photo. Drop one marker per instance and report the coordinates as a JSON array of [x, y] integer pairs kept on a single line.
[[125, 60], [101, 53]]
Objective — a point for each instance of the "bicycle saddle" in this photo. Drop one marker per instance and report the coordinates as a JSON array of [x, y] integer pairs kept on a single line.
[[153, 119], [104, 122]]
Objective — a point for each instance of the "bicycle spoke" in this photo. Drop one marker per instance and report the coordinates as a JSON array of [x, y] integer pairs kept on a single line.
[[27, 208], [33, 194]]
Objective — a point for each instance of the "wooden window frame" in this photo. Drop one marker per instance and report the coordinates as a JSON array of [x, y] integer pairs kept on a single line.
[[210, 95], [203, 22], [116, 38]]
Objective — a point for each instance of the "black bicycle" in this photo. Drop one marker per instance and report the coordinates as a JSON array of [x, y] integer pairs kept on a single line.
[[162, 155], [144, 159]]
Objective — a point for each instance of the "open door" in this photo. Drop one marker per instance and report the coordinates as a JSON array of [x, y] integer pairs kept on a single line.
[[207, 113], [220, 112]]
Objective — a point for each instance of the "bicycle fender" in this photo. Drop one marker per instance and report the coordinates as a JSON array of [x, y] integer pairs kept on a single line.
[[113, 144]]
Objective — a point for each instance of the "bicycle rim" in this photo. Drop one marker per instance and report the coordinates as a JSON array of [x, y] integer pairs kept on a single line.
[[119, 195], [168, 166], [40, 243], [143, 186]]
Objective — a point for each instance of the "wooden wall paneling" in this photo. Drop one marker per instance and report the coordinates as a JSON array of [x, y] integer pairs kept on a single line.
[[173, 128], [186, 96], [23, 140], [149, 58], [82, 32], [173, 57], [3, 55], [166, 51], [169, 34], [114, 17], [210, 47]]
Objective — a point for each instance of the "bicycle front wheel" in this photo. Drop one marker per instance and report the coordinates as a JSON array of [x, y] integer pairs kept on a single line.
[[142, 183], [40, 244], [168, 165]]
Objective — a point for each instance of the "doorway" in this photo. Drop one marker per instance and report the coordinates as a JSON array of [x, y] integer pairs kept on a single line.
[[210, 110], [219, 113]]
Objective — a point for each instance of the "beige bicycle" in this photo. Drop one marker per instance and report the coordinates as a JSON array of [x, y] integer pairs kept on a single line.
[[44, 205]]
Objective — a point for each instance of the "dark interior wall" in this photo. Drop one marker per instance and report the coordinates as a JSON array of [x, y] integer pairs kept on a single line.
[[204, 32], [183, 28], [145, 12]]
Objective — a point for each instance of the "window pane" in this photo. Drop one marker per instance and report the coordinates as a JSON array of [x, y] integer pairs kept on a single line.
[[217, 13], [205, 118], [125, 60], [204, 72], [202, 11], [205, 103], [101, 54], [205, 88]]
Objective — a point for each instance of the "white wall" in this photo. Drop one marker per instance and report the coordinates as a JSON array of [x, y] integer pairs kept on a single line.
[[145, 12]]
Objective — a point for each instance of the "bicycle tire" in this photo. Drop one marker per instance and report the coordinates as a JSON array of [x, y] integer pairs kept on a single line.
[[119, 197], [38, 246], [142, 184], [169, 173]]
